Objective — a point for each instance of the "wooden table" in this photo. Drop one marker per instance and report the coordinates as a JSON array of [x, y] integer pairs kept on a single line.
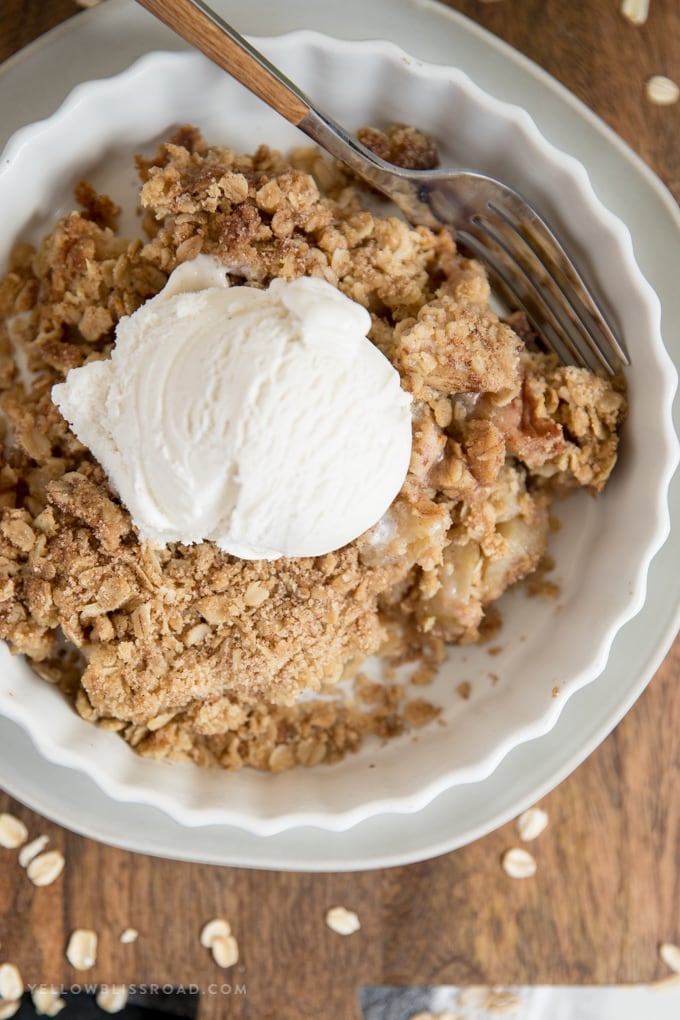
[[607, 891]]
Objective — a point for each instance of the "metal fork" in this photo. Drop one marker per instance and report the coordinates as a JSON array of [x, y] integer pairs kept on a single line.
[[526, 261]]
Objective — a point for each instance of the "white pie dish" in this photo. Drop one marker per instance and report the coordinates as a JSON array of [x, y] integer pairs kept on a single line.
[[605, 547]]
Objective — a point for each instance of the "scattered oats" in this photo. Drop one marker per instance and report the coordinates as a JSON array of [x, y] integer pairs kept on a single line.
[[224, 949], [635, 10], [112, 998], [46, 868], [129, 935], [464, 689], [8, 1009], [87, 3], [11, 984], [342, 921], [81, 951], [32, 849], [518, 863], [47, 1001], [217, 928], [661, 90], [531, 824], [670, 954], [13, 832]]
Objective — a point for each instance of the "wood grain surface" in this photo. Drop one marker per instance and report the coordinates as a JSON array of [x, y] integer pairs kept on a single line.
[[607, 889]]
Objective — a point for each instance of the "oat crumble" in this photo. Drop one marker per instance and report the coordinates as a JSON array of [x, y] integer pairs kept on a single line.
[[189, 653]]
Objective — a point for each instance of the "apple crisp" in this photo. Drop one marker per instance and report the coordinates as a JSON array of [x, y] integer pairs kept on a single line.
[[188, 652]]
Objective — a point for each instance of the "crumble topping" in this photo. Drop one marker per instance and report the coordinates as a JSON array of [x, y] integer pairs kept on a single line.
[[190, 653]]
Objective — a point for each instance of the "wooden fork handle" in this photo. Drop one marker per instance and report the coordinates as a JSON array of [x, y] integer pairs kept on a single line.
[[203, 28]]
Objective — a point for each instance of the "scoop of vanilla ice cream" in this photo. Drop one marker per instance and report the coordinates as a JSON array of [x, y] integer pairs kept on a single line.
[[263, 420]]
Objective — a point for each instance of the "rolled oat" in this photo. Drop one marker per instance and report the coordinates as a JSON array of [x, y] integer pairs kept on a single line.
[[636, 11], [661, 90], [81, 951], [47, 1001], [11, 984], [518, 863], [46, 868], [112, 998], [224, 949], [342, 921], [217, 928], [670, 954], [531, 824], [32, 849], [13, 832]]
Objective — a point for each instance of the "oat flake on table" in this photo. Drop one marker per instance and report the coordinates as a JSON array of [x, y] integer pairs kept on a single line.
[[661, 90], [518, 863], [636, 11], [11, 983], [112, 998], [81, 951], [45, 868], [13, 832], [342, 921], [32, 849], [531, 824], [224, 949], [47, 1001], [217, 928], [670, 954]]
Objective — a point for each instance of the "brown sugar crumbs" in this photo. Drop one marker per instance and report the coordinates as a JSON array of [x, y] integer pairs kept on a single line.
[[190, 653]]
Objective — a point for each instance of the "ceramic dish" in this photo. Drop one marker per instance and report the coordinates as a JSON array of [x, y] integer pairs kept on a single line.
[[604, 548]]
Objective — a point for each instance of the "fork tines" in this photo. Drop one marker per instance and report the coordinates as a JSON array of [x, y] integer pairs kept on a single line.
[[535, 273]]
